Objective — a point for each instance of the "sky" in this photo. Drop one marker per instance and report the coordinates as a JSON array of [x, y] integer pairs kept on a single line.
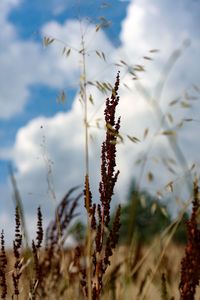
[[43, 138]]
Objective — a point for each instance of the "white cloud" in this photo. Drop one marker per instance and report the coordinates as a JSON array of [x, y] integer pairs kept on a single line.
[[6, 6], [60, 6], [165, 26], [177, 21]]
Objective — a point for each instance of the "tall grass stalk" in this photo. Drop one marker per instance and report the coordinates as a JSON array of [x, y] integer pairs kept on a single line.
[[83, 92], [18, 203]]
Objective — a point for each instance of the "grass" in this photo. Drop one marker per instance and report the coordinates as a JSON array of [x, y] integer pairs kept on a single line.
[[53, 275], [97, 268]]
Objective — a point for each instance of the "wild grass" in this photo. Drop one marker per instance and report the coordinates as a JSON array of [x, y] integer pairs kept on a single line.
[[96, 268], [47, 274], [109, 261]]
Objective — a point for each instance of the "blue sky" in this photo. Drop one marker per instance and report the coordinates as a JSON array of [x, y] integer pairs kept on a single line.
[[32, 76]]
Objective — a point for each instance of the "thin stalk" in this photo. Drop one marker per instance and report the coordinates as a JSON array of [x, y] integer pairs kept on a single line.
[[84, 97], [163, 235], [18, 203], [163, 123], [168, 239]]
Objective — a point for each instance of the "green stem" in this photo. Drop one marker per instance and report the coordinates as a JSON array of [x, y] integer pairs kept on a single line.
[[84, 95]]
